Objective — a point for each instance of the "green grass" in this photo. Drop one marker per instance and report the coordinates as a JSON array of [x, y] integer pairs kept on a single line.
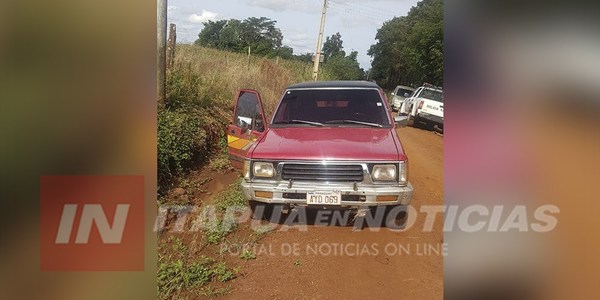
[[177, 245], [227, 203], [231, 197], [175, 276], [247, 255], [181, 272], [219, 162], [217, 230], [211, 291]]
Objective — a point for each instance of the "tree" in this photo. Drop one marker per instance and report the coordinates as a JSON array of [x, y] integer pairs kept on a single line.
[[333, 46], [260, 34], [285, 52], [306, 57], [409, 50], [342, 67], [210, 34]]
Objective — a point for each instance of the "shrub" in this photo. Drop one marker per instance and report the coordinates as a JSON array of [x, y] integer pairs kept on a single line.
[[180, 140]]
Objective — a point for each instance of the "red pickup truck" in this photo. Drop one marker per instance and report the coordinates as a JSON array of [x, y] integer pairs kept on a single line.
[[329, 145]]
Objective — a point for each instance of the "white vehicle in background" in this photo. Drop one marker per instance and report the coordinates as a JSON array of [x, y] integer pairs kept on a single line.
[[425, 106], [399, 94]]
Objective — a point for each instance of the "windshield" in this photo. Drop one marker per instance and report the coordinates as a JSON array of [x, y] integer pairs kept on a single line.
[[401, 92], [432, 95], [332, 107]]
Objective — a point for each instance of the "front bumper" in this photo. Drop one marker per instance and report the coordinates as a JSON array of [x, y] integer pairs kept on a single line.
[[359, 195], [396, 104], [431, 118]]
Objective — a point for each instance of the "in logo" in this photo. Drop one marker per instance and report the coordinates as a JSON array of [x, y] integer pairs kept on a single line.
[[92, 223]]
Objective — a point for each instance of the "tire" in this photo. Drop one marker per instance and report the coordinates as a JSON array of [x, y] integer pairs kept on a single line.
[[396, 216], [411, 121], [417, 122], [260, 211]]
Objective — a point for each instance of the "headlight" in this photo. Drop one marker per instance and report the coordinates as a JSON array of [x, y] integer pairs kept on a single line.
[[384, 172], [246, 170], [403, 173], [263, 169]]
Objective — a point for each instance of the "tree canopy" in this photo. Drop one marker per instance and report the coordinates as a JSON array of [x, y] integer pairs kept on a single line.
[[340, 65], [260, 34], [333, 46], [409, 50]]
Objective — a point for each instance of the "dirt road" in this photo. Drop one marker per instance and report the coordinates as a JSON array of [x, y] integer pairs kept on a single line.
[[336, 262]]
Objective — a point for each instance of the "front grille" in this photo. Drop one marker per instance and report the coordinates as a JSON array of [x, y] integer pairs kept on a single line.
[[317, 172]]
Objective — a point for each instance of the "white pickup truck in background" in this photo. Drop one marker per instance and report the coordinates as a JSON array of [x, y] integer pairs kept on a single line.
[[425, 106]]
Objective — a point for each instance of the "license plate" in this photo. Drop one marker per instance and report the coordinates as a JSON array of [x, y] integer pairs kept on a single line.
[[323, 198]]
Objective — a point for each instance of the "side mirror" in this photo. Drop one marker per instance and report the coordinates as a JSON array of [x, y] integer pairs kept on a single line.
[[259, 126], [406, 95], [401, 121]]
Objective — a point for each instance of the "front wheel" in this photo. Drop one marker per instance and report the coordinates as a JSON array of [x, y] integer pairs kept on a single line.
[[411, 121], [396, 216], [260, 211]]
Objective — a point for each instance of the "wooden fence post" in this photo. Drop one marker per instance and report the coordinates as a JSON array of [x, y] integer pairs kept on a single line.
[[171, 46], [248, 57], [161, 29]]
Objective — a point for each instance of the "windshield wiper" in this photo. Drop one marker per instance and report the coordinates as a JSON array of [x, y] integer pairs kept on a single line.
[[354, 122], [299, 121]]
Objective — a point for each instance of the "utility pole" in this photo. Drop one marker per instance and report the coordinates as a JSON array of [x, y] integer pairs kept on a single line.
[[161, 15], [319, 42]]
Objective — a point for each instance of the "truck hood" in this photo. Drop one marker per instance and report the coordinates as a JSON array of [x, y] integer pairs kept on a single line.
[[333, 143]]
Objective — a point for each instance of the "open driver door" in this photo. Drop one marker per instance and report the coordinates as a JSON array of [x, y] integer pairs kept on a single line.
[[247, 126]]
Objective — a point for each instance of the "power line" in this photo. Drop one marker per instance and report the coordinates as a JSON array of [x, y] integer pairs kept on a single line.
[[357, 12], [366, 10]]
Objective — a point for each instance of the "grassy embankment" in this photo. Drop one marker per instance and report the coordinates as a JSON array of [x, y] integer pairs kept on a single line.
[[200, 96]]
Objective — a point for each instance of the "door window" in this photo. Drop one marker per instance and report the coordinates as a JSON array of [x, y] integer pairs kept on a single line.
[[248, 113]]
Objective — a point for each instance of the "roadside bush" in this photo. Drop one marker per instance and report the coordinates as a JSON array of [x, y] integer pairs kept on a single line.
[[190, 124], [181, 140]]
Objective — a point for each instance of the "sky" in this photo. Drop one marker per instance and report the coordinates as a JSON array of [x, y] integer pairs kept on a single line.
[[356, 20]]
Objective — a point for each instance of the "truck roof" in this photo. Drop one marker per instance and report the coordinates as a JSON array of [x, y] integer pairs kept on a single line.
[[334, 84]]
